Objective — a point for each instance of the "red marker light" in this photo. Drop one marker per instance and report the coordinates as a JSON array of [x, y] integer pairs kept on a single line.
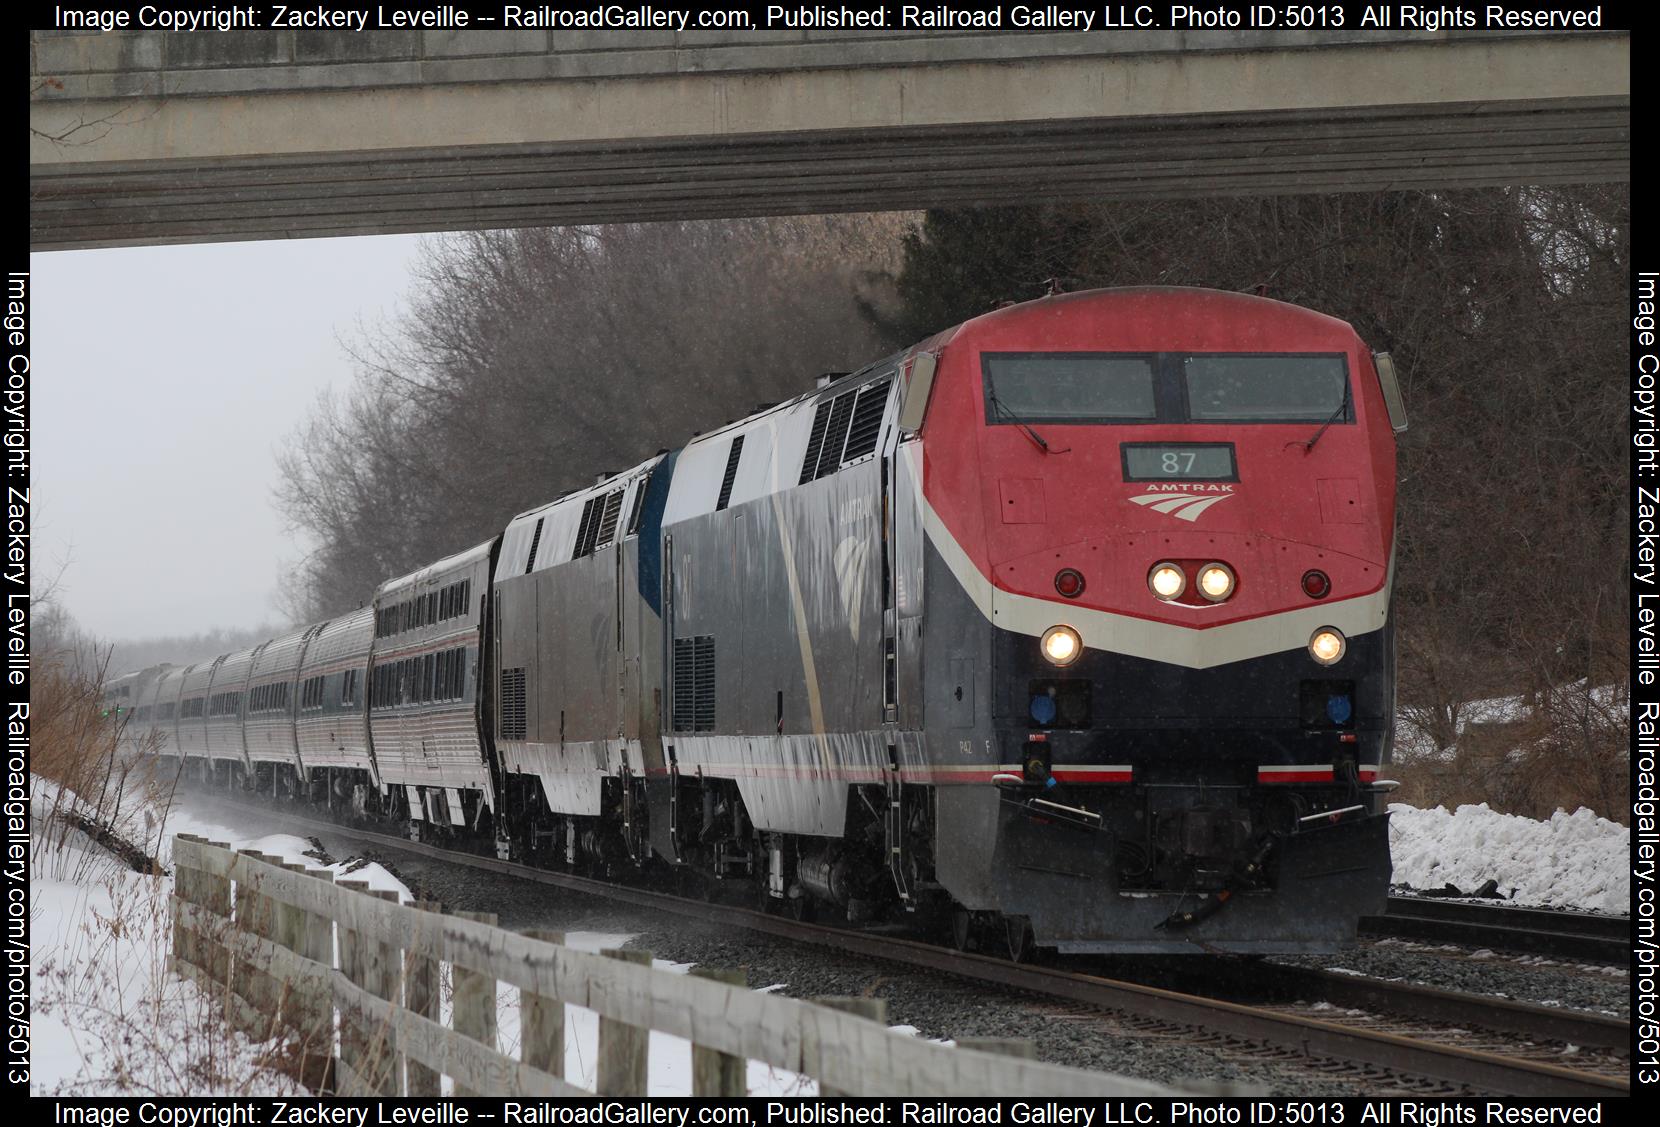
[[1316, 585], [1069, 582]]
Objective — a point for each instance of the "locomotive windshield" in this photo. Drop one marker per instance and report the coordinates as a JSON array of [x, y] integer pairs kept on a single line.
[[1071, 387], [1264, 389], [1170, 387]]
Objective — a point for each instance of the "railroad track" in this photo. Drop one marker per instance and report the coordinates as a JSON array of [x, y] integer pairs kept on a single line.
[[1488, 1068], [1568, 935]]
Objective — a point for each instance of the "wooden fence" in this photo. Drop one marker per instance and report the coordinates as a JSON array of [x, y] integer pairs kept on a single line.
[[287, 950]]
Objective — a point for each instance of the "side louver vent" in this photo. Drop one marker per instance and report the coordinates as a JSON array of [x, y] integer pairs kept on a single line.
[[598, 526], [535, 539], [867, 421], [835, 435], [815, 442], [844, 428], [608, 519], [731, 473], [694, 684], [587, 531], [513, 704]]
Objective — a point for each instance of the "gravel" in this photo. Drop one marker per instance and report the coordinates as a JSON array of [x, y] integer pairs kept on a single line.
[[1521, 978]]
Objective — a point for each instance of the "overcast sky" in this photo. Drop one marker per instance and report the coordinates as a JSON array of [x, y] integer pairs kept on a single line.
[[164, 381]]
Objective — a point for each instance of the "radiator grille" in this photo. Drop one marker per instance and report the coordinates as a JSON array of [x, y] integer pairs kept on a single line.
[[694, 684], [512, 704]]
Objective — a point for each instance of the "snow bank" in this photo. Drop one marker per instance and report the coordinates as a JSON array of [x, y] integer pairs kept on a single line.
[[1573, 860]]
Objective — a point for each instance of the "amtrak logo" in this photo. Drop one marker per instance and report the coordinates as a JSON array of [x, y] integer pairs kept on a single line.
[[1183, 505], [850, 559]]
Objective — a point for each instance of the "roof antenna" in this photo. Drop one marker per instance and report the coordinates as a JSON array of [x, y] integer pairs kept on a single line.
[[1262, 289], [1053, 286]]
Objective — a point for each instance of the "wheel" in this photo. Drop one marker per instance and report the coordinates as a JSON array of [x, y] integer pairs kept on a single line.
[[962, 929], [1017, 934]]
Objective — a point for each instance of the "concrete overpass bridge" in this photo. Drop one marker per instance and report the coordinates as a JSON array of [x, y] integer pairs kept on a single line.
[[157, 137]]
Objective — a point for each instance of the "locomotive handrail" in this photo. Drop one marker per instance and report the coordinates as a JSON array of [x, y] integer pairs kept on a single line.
[[261, 936]]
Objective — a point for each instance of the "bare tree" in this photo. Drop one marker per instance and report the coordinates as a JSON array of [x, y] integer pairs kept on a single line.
[[532, 360]]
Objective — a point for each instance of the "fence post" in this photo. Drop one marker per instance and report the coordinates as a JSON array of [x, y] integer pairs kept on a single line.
[[354, 1038], [385, 962], [623, 1048], [421, 997], [876, 1009], [295, 999], [317, 1036], [288, 930], [184, 892], [213, 892], [270, 929], [474, 1005], [253, 917], [542, 1022], [715, 1073]]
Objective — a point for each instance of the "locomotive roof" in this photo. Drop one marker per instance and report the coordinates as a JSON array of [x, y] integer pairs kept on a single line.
[[1170, 306]]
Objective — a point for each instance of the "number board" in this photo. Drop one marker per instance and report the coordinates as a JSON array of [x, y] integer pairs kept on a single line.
[[1179, 461]]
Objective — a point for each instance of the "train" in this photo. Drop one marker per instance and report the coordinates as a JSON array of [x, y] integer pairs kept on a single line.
[[1066, 629]]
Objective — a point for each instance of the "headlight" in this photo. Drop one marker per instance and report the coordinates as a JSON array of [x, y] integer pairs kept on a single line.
[[1327, 646], [1061, 645], [1216, 582], [1167, 581]]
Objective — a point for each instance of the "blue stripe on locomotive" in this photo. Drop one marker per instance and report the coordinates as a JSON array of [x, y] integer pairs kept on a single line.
[[650, 571]]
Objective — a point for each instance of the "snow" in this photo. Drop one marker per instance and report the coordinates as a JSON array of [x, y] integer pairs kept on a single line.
[[111, 1019], [1573, 860], [669, 1067], [1607, 704]]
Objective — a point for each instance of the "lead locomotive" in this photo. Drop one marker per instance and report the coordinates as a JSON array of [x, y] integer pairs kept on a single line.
[[1069, 625]]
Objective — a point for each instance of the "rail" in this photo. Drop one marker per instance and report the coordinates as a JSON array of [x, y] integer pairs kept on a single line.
[[287, 949], [1563, 935]]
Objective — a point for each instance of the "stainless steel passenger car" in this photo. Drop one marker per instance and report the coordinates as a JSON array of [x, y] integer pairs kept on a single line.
[[332, 725], [424, 688]]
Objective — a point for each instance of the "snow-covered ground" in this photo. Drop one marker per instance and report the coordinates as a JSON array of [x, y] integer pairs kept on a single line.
[[1605, 704], [110, 1019], [108, 1016], [1573, 860]]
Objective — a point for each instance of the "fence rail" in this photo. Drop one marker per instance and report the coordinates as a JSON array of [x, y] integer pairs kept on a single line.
[[287, 949]]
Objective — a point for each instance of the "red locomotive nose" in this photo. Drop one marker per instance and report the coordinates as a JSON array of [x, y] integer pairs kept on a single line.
[[1069, 582]]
